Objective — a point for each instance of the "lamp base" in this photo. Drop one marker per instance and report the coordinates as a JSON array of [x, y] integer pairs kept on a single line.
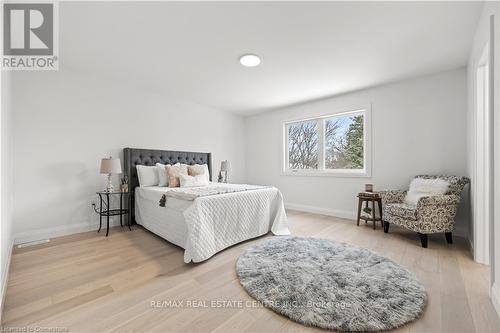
[[110, 184]]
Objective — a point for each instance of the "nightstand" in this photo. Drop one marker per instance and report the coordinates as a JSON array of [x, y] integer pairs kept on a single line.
[[106, 211], [365, 198]]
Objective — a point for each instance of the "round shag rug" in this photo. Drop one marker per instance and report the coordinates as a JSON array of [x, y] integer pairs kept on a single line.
[[330, 285]]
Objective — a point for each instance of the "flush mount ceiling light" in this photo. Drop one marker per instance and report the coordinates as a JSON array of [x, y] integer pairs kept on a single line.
[[250, 60]]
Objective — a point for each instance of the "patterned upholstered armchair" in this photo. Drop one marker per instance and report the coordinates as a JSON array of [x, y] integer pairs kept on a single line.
[[432, 214]]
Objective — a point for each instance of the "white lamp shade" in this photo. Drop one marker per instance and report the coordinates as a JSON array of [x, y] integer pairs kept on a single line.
[[225, 166], [111, 165]]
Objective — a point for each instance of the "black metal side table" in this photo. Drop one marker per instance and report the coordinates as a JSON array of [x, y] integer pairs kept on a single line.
[[107, 211]]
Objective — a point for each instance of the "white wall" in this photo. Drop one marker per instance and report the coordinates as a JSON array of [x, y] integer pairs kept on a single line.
[[418, 128], [481, 37], [6, 180], [66, 121]]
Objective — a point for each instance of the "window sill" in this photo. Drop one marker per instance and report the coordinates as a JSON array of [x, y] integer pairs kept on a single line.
[[345, 174]]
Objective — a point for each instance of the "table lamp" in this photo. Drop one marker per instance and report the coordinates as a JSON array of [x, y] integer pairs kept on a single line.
[[225, 166], [110, 166]]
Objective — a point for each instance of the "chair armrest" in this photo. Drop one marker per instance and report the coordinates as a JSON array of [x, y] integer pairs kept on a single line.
[[439, 200], [392, 196]]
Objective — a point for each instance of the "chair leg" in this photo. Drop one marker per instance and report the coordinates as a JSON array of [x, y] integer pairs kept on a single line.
[[423, 240], [386, 226], [449, 237]]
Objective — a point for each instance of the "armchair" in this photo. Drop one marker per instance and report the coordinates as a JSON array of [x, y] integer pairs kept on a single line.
[[432, 214]]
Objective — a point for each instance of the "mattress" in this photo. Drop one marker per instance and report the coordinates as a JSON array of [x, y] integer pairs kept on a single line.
[[167, 222]]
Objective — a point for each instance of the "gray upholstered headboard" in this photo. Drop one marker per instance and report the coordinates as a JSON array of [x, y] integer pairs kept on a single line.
[[134, 156]]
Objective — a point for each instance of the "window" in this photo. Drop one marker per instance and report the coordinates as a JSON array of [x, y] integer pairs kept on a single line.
[[303, 145], [335, 144], [344, 142]]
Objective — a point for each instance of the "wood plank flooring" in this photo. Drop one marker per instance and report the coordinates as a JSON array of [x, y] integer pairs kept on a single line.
[[89, 283]]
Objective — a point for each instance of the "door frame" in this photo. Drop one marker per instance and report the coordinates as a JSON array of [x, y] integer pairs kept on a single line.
[[483, 158]]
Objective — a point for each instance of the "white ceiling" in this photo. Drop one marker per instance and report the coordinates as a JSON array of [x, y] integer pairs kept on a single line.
[[309, 50]]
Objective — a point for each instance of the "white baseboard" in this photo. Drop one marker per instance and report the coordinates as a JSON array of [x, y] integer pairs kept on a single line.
[[495, 297], [352, 215], [461, 232], [6, 278], [63, 230], [322, 211], [471, 245]]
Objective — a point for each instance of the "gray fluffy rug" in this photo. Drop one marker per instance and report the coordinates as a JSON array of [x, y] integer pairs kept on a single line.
[[330, 285]]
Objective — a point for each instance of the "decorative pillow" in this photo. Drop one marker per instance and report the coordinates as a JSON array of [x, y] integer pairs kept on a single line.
[[162, 174], [192, 181], [199, 169], [148, 175], [420, 187], [173, 173]]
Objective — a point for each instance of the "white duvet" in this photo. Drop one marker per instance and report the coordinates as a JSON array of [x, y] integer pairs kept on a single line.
[[212, 223]]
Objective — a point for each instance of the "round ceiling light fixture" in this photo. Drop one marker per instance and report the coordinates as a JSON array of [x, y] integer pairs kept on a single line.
[[250, 60]]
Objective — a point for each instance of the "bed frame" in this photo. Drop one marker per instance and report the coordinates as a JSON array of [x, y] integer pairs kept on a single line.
[[135, 156]]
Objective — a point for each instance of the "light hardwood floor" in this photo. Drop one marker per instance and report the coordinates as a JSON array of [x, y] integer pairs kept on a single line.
[[89, 283]]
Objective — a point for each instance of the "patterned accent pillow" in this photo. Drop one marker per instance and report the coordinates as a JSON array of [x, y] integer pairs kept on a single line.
[[199, 169], [173, 172]]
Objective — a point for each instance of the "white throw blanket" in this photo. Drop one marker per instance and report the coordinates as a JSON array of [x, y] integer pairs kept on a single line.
[[191, 193]]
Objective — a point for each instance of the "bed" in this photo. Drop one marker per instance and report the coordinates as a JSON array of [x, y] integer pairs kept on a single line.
[[206, 225]]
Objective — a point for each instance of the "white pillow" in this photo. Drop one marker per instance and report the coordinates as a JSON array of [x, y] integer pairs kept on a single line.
[[192, 181], [420, 187], [148, 175], [199, 169], [162, 174]]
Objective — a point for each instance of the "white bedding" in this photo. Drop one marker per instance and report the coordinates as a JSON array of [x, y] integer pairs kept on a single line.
[[210, 224]]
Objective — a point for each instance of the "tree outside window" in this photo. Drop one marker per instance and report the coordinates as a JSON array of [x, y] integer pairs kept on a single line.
[[344, 142], [329, 143], [303, 145]]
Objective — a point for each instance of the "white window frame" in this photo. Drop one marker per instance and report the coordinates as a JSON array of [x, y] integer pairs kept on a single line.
[[322, 171]]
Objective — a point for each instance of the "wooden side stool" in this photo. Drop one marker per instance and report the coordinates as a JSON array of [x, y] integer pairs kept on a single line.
[[366, 198]]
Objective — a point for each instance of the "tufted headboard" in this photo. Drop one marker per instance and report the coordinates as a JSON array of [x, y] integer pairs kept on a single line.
[[134, 156]]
